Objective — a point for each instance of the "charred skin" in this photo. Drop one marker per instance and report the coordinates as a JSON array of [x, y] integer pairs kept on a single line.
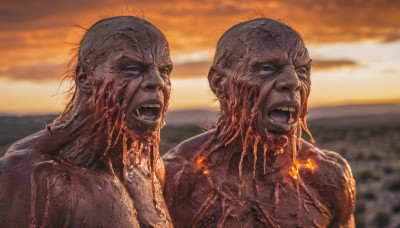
[[254, 169], [209, 192], [98, 164]]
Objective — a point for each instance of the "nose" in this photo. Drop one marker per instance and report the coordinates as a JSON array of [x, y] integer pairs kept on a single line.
[[288, 80], [152, 80]]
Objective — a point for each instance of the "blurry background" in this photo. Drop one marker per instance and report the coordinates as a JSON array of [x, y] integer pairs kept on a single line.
[[355, 99]]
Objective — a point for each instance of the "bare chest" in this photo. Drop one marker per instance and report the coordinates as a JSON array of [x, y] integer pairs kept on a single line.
[[87, 198], [218, 202]]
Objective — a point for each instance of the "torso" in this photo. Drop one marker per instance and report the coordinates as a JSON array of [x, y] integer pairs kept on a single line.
[[275, 199], [39, 190]]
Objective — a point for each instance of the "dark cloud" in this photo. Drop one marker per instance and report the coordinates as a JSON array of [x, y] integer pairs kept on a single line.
[[35, 72], [49, 71], [35, 30], [392, 36], [29, 15], [320, 64], [191, 69]]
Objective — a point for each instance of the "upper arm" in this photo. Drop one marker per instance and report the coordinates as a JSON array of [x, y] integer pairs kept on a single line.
[[180, 177], [345, 194], [25, 190], [15, 196], [172, 165]]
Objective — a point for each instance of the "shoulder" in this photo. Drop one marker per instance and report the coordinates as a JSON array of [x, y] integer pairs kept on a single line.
[[182, 157], [23, 183], [329, 165], [180, 167], [187, 149], [21, 167], [334, 180]]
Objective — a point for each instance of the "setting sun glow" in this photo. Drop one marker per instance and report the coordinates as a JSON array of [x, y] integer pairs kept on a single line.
[[354, 49]]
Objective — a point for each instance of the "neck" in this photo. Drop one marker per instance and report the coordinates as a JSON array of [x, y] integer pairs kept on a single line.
[[87, 144]]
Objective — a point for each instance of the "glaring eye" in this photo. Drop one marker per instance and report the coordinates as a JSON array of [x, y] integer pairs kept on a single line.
[[302, 71], [164, 71], [133, 69], [267, 69]]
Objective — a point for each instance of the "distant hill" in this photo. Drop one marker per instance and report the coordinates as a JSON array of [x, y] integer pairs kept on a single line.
[[195, 116], [346, 114], [355, 110], [368, 136]]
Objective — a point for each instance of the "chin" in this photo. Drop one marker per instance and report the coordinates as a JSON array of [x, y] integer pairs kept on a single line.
[[140, 129], [269, 126]]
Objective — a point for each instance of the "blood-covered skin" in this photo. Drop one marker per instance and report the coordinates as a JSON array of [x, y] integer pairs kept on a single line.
[[98, 164], [254, 170]]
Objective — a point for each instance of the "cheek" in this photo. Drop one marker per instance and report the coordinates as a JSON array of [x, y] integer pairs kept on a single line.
[[131, 90], [304, 92], [167, 91], [264, 95]]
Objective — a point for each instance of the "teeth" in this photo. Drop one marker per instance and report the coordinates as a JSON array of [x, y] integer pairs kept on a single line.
[[286, 108], [151, 106]]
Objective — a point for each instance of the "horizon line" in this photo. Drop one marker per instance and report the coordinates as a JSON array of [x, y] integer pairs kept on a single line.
[[333, 105]]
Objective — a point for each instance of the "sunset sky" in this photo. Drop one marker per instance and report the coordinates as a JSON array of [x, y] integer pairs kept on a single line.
[[355, 46]]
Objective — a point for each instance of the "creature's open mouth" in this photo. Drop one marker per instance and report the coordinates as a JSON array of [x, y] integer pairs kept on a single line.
[[283, 114], [148, 112]]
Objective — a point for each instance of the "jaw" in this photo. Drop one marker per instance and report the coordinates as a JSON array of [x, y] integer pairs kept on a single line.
[[280, 118], [277, 128], [146, 117]]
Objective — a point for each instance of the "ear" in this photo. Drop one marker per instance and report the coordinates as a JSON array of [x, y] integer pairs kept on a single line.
[[82, 79], [218, 80]]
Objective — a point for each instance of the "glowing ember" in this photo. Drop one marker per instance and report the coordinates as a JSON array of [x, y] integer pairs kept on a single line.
[[309, 165], [294, 173], [199, 161], [200, 165]]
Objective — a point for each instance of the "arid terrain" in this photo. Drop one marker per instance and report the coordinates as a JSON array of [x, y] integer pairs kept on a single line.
[[368, 136]]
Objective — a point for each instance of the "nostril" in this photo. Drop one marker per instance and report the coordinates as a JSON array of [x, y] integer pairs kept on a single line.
[[152, 85], [290, 85]]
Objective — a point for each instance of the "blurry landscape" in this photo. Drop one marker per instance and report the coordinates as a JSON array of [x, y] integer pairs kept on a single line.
[[368, 136]]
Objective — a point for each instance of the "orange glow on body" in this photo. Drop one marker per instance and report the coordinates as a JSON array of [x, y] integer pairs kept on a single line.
[[297, 166], [199, 165], [199, 161]]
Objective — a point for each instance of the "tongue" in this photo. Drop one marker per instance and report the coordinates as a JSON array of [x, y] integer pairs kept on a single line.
[[279, 116]]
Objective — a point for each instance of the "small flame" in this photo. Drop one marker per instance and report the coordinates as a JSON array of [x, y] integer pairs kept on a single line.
[[199, 161], [309, 165], [200, 165], [294, 173]]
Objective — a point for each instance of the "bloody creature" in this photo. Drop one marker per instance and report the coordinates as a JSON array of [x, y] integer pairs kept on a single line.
[[254, 169], [98, 164]]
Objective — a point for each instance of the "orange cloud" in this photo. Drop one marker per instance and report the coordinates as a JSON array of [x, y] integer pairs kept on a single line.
[[191, 69], [36, 72], [37, 31], [332, 64]]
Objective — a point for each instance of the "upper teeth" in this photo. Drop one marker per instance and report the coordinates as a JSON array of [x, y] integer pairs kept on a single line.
[[151, 105], [286, 108]]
